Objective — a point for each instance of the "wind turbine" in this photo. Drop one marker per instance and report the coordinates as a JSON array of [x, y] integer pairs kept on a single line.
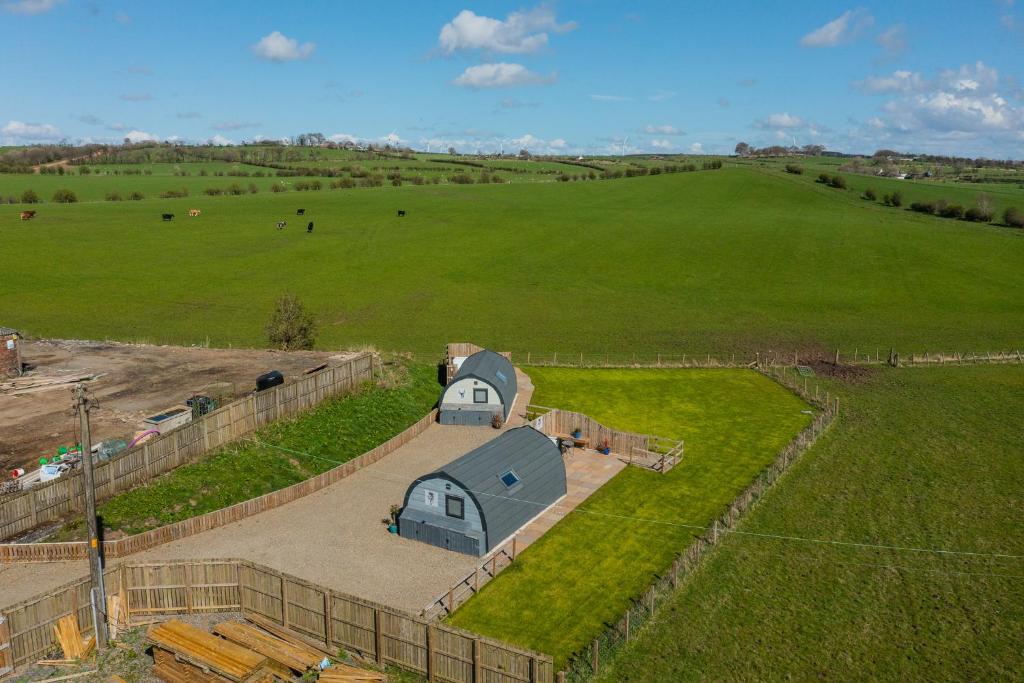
[[622, 150]]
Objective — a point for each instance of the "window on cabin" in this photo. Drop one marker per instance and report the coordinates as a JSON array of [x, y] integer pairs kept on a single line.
[[509, 479], [501, 376], [454, 506], [480, 396]]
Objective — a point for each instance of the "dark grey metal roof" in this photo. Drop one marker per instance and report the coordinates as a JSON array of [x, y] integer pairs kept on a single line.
[[5, 331], [494, 369], [537, 463]]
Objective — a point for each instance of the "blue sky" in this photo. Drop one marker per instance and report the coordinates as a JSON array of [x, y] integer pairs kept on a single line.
[[566, 77]]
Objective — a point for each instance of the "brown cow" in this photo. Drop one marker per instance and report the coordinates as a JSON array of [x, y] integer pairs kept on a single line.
[[28, 215], [193, 213]]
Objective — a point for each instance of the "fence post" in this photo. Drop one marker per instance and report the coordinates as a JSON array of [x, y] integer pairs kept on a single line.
[[595, 661], [328, 626], [477, 672], [714, 532], [430, 653], [627, 624], [560, 678], [378, 638], [284, 602]]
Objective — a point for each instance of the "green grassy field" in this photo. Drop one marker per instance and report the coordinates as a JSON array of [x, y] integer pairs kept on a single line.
[[919, 458], [334, 432], [735, 259], [584, 571]]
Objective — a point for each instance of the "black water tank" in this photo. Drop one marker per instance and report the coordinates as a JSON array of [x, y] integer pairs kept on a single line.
[[270, 379]]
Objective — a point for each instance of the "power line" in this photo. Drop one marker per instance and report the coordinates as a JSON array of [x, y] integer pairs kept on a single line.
[[684, 525]]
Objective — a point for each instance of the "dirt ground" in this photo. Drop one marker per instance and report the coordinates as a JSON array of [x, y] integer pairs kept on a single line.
[[135, 381]]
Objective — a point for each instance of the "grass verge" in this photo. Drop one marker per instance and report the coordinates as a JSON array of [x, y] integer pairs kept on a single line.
[[919, 458], [585, 571]]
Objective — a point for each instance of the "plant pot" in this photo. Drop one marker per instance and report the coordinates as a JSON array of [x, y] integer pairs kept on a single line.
[[393, 529], [576, 434], [606, 450]]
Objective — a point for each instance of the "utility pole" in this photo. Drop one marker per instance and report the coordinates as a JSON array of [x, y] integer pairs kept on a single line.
[[97, 593]]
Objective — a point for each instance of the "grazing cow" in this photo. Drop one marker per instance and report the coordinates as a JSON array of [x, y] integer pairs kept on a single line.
[[167, 216], [28, 215], [192, 213], [300, 212], [309, 228], [401, 212], [281, 224]]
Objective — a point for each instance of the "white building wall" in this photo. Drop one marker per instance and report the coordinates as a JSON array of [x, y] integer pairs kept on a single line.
[[459, 395]]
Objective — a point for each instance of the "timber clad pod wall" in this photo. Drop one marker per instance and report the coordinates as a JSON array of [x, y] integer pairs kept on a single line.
[[323, 617], [46, 502]]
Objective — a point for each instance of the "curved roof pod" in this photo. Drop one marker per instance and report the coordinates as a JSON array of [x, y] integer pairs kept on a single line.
[[510, 480], [492, 369]]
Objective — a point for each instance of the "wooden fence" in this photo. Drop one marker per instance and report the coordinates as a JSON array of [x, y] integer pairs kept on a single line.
[[50, 501], [51, 552], [471, 584], [462, 350], [589, 662], [323, 617], [766, 358], [640, 450]]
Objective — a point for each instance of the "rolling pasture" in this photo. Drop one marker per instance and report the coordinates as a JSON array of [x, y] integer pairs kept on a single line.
[[714, 261], [920, 461]]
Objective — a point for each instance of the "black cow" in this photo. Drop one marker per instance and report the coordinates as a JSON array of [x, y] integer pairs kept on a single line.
[[167, 216], [401, 212], [281, 224], [309, 228], [300, 212]]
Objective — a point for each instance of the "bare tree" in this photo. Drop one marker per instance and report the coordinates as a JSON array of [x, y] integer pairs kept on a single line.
[[291, 326]]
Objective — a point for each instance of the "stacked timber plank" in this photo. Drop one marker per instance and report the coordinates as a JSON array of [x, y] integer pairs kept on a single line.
[[342, 673], [186, 654], [284, 656]]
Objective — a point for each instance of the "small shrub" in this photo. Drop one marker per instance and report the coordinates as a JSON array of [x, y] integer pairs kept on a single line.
[[869, 194], [978, 215], [952, 211], [824, 178], [113, 196], [342, 183], [29, 197], [213, 191], [277, 187], [135, 196], [1014, 217], [794, 169], [838, 182], [397, 182], [253, 189], [291, 326], [174, 194], [65, 196], [235, 189], [923, 207]]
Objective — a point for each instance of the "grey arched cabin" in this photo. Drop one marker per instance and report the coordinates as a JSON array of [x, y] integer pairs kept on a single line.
[[483, 386], [476, 503]]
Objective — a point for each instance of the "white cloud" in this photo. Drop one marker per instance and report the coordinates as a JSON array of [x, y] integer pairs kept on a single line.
[[30, 131], [893, 41], [558, 143], [662, 130], [899, 81], [30, 6], [521, 32], [611, 98], [277, 47], [391, 139], [843, 29], [960, 111], [662, 143], [220, 141], [501, 75], [662, 95], [783, 120], [140, 136], [343, 137], [696, 148]]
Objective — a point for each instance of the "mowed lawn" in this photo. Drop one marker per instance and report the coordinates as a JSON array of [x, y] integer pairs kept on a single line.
[[714, 261], [584, 571], [920, 458]]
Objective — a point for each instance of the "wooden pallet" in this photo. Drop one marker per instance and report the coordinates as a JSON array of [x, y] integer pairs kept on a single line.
[[285, 657], [186, 654], [342, 673]]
